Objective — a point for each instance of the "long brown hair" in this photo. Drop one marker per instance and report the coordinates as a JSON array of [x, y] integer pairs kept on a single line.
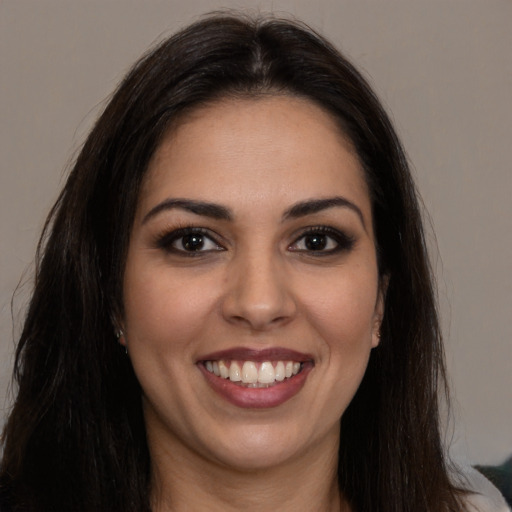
[[75, 438]]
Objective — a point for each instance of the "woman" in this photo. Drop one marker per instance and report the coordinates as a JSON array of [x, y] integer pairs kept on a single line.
[[233, 306]]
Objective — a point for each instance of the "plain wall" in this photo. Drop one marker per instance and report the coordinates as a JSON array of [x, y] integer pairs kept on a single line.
[[442, 68]]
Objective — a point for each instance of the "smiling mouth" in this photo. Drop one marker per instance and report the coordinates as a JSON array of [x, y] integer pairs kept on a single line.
[[256, 378], [254, 374]]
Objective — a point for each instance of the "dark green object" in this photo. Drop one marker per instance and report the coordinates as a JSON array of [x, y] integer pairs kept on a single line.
[[501, 477]]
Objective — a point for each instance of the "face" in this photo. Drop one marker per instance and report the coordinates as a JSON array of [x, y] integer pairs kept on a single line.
[[251, 289]]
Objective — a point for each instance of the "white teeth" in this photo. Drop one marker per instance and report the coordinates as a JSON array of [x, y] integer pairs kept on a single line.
[[266, 375], [223, 369], [234, 372], [249, 373], [280, 371]]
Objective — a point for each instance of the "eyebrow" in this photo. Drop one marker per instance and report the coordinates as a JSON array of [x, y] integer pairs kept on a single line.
[[205, 209], [317, 205], [216, 211]]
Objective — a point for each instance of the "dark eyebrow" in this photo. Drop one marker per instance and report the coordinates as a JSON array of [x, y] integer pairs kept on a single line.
[[198, 207], [317, 205]]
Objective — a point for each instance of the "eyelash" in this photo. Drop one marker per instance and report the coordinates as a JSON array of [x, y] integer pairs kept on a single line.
[[167, 240], [344, 242]]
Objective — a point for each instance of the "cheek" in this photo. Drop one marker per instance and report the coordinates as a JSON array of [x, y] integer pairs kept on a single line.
[[163, 310], [342, 309], [165, 316]]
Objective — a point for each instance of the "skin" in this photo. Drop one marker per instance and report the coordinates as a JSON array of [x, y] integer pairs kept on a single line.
[[255, 284]]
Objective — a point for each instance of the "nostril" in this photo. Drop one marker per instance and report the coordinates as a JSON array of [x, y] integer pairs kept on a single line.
[[257, 296], [260, 322]]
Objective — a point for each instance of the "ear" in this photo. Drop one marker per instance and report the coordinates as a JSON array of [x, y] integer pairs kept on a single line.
[[120, 337], [118, 327], [378, 314]]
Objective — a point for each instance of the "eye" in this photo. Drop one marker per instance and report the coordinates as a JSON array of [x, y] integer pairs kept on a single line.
[[322, 240], [189, 241]]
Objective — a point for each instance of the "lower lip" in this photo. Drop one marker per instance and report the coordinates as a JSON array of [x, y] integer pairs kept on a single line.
[[257, 398]]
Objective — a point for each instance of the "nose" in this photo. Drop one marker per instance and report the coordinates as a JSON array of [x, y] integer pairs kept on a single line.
[[259, 294]]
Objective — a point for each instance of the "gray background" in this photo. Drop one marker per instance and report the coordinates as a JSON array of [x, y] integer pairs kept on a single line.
[[442, 68]]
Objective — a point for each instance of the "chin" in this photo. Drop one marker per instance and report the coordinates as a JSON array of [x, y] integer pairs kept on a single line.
[[262, 447], [258, 454]]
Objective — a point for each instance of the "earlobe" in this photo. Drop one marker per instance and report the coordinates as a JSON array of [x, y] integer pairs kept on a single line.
[[376, 333], [379, 310], [120, 337], [118, 327]]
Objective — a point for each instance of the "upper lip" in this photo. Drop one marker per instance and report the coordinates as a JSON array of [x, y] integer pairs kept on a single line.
[[257, 355]]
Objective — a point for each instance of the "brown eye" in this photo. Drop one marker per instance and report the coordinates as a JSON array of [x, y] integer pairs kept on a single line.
[[189, 241], [322, 241], [192, 242], [316, 242]]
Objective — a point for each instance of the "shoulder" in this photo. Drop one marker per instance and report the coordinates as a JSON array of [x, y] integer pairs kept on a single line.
[[483, 496]]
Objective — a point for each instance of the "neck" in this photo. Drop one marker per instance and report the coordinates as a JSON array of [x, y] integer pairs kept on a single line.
[[183, 480]]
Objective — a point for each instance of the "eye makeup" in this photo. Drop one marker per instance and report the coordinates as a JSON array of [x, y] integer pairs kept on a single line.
[[188, 241], [322, 241], [196, 241]]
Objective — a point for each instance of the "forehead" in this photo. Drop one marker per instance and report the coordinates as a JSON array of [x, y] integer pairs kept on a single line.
[[277, 148]]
